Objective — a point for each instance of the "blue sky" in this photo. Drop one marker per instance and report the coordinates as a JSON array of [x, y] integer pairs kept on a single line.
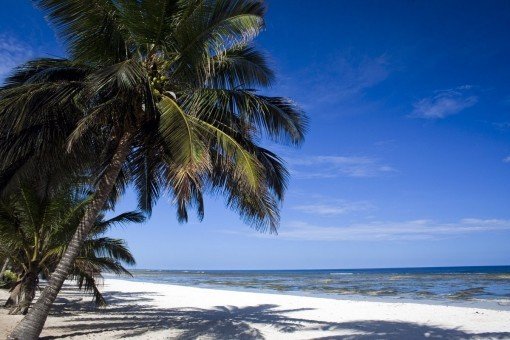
[[407, 161]]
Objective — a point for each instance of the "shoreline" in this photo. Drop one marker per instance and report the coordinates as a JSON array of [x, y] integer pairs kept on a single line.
[[473, 303], [475, 286], [157, 311]]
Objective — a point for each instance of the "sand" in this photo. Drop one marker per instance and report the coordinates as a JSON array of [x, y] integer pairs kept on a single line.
[[160, 311]]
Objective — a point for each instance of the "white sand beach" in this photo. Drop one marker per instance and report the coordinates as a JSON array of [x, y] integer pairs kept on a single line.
[[159, 311]]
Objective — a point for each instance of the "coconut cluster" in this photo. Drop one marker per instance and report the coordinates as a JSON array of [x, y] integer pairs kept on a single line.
[[158, 78]]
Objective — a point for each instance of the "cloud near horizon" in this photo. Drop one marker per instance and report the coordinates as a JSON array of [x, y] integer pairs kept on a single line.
[[336, 166], [337, 207], [390, 231], [444, 103]]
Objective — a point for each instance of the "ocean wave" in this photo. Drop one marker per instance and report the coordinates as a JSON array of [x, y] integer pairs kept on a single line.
[[425, 293], [341, 273], [467, 294]]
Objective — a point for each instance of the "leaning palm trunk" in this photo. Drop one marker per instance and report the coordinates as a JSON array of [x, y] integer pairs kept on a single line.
[[23, 293], [14, 294], [31, 326]]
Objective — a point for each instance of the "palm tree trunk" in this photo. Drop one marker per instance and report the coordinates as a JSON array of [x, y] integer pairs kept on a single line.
[[14, 296], [4, 268], [32, 324], [25, 293]]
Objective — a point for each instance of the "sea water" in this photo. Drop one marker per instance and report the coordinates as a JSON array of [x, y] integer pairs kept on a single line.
[[453, 285]]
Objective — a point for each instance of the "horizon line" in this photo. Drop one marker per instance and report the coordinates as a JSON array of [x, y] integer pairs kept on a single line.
[[311, 269]]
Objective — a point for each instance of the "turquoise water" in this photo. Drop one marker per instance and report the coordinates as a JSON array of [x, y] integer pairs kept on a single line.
[[450, 284]]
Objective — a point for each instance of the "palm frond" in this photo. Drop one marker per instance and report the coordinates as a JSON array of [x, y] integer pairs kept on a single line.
[[180, 136], [119, 220], [208, 28], [97, 265], [147, 168], [123, 76], [44, 70], [241, 66], [88, 282], [38, 108], [247, 168], [186, 151], [106, 247], [275, 173], [90, 28], [148, 22], [280, 118], [259, 209]]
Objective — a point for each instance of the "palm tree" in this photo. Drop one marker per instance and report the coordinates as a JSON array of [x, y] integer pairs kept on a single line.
[[35, 231], [164, 91]]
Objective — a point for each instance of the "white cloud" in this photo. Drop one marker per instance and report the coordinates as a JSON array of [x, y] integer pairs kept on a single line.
[[390, 231], [506, 159], [444, 103], [338, 84], [337, 207], [345, 78], [336, 166], [12, 53]]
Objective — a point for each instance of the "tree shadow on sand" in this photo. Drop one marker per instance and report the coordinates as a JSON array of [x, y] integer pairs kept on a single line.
[[128, 314]]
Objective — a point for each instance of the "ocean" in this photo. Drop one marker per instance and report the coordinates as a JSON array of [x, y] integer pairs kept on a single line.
[[452, 285]]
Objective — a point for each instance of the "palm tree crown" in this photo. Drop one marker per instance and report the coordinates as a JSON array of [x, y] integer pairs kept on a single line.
[[180, 76]]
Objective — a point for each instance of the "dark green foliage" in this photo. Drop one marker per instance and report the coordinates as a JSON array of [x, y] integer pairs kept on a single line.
[[35, 230], [181, 75], [8, 279]]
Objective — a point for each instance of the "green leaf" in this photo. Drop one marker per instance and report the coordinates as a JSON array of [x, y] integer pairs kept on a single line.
[[247, 166]]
